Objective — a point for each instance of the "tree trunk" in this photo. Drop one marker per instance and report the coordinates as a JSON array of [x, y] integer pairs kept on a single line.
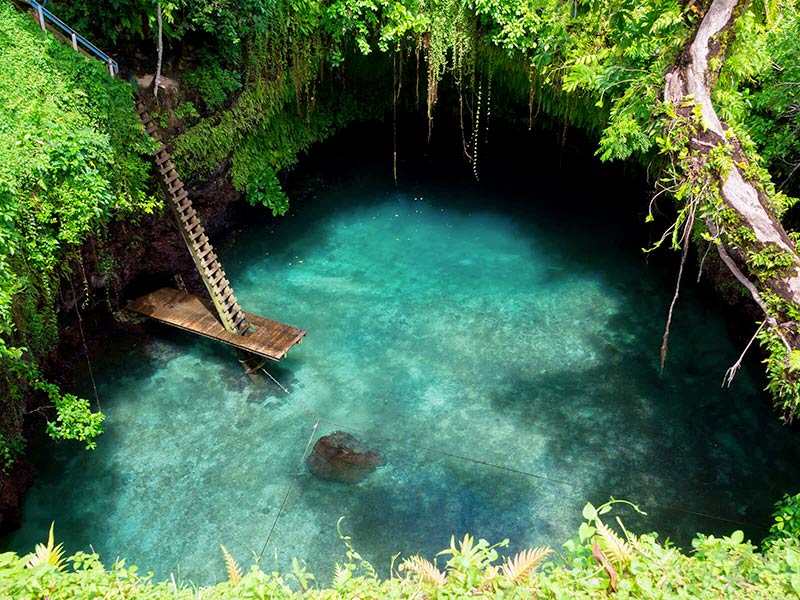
[[689, 84], [157, 80], [739, 213]]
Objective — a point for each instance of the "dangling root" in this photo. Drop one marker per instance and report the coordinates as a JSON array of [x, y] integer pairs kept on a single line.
[[731, 372], [686, 238]]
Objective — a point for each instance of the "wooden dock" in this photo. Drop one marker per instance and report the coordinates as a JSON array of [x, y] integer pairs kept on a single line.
[[267, 338]]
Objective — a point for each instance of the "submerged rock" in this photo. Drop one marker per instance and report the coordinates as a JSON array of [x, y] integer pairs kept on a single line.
[[342, 457]]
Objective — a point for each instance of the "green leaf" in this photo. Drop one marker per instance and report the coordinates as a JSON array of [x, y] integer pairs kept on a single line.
[[589, 512], [793, 559], [796, 583], [585, 531], [737, 537], [794, 360]]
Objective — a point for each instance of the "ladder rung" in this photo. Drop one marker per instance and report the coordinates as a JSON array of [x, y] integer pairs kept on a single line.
[[180, 196], [211, 258], [201, 254], [145, 119], [164, 158], [171, 178], [174, 190], [151, 128], [216, 277], [226, 295], [180, 207], [189, 214], [230, 307], [161, 148], [196, 234], [238, 319], [167, 168]]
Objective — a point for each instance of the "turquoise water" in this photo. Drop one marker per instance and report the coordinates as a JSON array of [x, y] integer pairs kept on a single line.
[[502, 354]]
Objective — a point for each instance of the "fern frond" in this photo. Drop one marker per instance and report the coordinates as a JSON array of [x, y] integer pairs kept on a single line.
[[231, 566], [425, 571], [614, 546], [49, 554], [524, 563], [341, 574], [633, 539]]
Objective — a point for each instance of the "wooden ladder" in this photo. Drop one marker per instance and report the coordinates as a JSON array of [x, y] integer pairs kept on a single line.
[[219, 288]]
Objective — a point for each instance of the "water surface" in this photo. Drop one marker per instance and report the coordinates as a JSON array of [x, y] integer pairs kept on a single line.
[[501, 353]]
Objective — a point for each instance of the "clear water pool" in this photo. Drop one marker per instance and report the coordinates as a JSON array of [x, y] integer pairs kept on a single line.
[[503, 357]]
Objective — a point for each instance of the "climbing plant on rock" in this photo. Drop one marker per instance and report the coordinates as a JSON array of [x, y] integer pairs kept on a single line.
[[70, 162]]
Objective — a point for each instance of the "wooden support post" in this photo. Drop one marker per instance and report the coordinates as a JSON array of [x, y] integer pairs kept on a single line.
[[74, 41], [40, 14], [111, 68]]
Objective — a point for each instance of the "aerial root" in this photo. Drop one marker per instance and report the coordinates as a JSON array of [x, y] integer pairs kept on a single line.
[[731, 372], [685, 239]]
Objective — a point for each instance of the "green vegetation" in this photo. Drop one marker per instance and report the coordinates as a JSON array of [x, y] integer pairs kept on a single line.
[[71, 160], [265, 80], [601, 560], [262, 81], [773, 100]]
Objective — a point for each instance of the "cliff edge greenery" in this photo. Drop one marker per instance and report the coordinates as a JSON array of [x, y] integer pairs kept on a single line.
[[72, 159]]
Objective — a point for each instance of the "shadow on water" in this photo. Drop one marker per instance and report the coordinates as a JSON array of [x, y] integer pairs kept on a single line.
[[497, 341]]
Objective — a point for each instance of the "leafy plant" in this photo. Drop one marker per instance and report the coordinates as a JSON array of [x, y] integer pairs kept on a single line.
[[786, 519], [726, 567], [424, 570], [48, 554], [71, 162]]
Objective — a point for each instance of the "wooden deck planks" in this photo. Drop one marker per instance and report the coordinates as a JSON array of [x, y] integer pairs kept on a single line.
[[188, 312]]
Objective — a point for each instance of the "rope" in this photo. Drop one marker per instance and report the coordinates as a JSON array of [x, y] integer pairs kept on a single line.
[[483, 463], [290, 488], [83, 339], [525, 473]]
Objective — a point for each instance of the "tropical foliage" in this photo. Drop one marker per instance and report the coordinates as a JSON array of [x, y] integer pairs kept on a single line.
[[601, 562], [266, 79], [71, 160]]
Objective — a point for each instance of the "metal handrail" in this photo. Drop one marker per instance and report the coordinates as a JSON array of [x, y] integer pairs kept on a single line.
[[43, 15]]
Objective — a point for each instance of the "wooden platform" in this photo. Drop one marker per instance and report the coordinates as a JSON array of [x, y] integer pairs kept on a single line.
[[270, 339]]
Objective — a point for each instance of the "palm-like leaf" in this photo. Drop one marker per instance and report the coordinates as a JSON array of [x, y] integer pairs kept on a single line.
[[425, 571], [231, 566], [49, 554], [617, 549], [524, 563]]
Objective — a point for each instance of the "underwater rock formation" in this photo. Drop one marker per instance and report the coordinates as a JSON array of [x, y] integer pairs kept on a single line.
[[342, 457]]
